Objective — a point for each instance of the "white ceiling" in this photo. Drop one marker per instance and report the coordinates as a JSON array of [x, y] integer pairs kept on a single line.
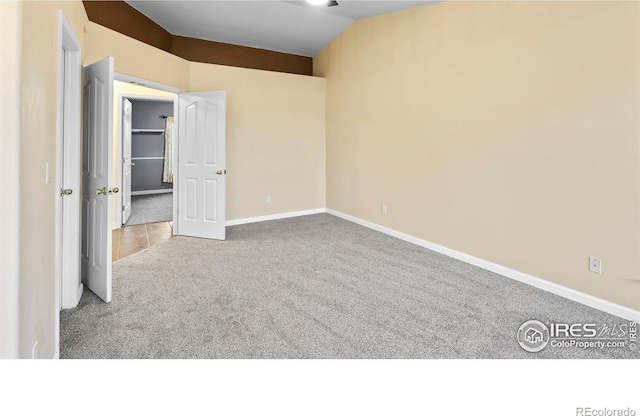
[[285, 26]]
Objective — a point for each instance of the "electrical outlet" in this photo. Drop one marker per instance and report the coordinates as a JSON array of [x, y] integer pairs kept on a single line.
[[34, 351], [384, 209], [268, 200], [595, 265]]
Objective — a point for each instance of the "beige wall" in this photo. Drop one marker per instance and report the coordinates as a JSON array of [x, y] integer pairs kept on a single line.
[[275, 142], [275, 123], [275, 138], [508, 131], [119, 89], [10, 120], [135, 58], [38, 147]]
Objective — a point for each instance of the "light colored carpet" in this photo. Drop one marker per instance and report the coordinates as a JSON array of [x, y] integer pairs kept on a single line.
[[146, 209], [311, 287]]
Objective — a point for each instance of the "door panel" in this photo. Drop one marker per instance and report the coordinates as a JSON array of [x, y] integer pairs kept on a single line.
[[201, 167], [211, 145], [96, 175], [191, 198], [99, 232], [210, 198], [126, 160]]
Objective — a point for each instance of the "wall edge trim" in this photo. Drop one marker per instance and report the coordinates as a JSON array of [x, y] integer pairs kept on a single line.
[[562, 291]]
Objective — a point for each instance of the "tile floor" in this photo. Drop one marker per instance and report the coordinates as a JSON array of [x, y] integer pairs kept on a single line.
[[131, 239]]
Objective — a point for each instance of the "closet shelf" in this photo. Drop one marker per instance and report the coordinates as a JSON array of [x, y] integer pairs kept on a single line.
[[148, 158], [147, 131]]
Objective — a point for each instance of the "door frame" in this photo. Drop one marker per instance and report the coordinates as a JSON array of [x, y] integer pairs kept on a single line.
[[143, 83], [118, 76], [68, 156], [118, 154]]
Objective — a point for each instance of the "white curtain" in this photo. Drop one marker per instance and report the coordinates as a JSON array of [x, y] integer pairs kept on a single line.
[[167, 174]]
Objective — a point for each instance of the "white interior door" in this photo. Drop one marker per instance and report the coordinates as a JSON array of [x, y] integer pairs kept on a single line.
[[202, 165], [126, 160], [96, 176]]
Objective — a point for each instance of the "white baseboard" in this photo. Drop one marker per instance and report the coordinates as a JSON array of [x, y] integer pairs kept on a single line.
[[574, 295], [276, 216], [152, 192]]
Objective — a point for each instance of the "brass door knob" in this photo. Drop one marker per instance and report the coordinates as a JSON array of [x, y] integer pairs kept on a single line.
[[66, 191], [219, 172], [115, 190], [102, 191]]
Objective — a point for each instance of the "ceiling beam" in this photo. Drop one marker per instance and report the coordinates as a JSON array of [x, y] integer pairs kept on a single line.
[[123, 18], [197, 50]]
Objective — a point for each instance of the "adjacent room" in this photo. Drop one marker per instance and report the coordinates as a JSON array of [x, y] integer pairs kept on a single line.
[[151, 177], [355, 179], [143, 144]]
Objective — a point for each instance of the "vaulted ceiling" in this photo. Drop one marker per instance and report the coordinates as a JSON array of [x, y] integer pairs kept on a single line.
[[293, 27]]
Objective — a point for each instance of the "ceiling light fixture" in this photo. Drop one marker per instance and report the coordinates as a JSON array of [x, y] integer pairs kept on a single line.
[[317, 2]]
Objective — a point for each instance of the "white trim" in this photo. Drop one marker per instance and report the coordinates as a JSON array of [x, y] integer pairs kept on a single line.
[[119, 179], [176, 169], [142, 97], [276, 216], [146, 83], [67, 250], [151, 192], [574, 295]]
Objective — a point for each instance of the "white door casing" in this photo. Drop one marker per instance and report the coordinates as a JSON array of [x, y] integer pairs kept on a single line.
[[201, 165], [96, 177], [68, 166], [126, 160]]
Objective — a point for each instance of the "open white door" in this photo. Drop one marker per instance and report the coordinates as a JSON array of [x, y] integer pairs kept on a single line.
[[202, 165], [96, 175], [126, 160]]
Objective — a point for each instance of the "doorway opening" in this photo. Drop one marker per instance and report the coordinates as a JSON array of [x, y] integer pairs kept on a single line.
[[200, 175], [143, 167]]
